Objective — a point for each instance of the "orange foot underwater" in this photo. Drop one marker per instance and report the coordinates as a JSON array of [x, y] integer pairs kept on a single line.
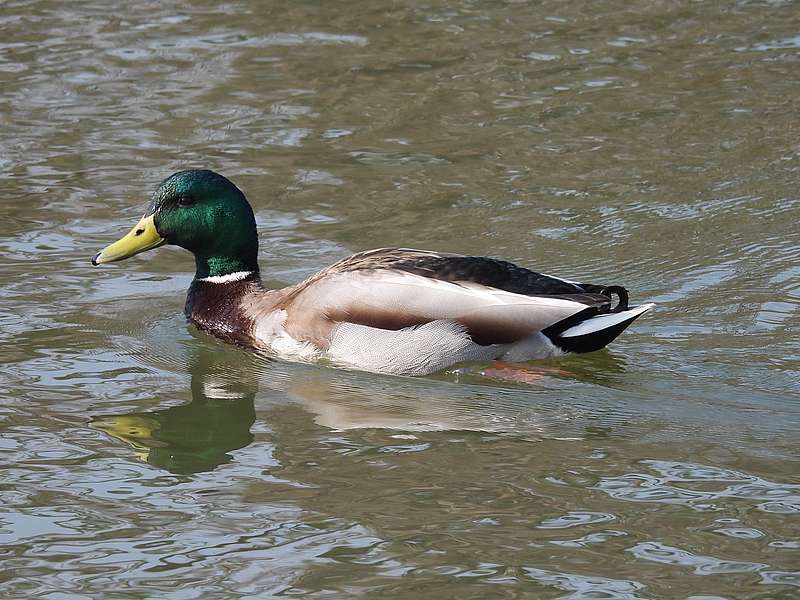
[[518, 373]]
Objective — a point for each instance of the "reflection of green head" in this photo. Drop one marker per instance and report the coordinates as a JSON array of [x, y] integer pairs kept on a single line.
[[198, 436], [208, 215]]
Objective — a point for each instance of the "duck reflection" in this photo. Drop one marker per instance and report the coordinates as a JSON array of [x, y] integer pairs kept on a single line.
[[197, 436]]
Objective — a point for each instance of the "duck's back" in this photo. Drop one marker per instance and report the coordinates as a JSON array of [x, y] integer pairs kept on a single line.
[[449, 267]]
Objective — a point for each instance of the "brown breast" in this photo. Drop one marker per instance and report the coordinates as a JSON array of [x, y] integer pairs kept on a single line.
[[217, 308]]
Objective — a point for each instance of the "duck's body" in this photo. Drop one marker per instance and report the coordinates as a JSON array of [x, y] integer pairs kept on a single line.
[[409, 312], [391, 310]]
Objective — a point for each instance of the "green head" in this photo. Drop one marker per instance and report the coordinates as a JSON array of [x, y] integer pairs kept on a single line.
[[203, 212]]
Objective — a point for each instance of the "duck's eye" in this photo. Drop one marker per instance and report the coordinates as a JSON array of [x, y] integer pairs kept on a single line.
[[185, 200]]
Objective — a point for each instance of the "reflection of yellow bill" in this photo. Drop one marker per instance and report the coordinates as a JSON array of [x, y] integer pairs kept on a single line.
[[142, 237], [136, 431]]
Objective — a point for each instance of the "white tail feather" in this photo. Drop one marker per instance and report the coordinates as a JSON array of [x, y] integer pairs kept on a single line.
[[605, 321]]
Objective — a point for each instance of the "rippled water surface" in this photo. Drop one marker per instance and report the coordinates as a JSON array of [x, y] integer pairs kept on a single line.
[[651, 144]]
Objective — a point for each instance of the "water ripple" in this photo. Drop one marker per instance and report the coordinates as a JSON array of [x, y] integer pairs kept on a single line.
[[701, 565], [575, 519], [670, 486], [587, 586]]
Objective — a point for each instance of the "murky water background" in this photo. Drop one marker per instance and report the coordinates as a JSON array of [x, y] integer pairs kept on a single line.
[[652, 144]]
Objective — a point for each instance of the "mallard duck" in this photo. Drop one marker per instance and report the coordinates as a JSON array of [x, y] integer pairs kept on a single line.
[[390, 310]]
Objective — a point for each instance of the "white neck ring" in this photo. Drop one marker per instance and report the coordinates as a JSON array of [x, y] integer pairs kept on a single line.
[[230, 277]]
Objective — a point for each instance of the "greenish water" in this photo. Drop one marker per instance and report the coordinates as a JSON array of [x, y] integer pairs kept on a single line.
[[649, 144]]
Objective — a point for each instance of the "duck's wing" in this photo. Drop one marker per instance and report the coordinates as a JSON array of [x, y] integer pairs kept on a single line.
[[443, 266], [393, 289]]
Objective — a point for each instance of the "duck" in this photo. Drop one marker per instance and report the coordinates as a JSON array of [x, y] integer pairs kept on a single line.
[[398, 311]]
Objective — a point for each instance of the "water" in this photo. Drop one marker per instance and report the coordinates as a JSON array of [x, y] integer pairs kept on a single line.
[[649, 144]]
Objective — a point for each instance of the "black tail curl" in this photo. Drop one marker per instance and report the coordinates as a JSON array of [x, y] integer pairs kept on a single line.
[[610, 291], [621, 294]]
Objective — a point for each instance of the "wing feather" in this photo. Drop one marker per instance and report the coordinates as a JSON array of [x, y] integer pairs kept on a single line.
[[387, 299]]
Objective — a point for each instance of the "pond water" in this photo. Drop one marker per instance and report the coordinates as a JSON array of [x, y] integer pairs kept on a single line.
[[649, 144]]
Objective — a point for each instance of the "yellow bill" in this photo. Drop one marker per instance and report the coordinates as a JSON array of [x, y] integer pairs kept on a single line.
[[142, 237]]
